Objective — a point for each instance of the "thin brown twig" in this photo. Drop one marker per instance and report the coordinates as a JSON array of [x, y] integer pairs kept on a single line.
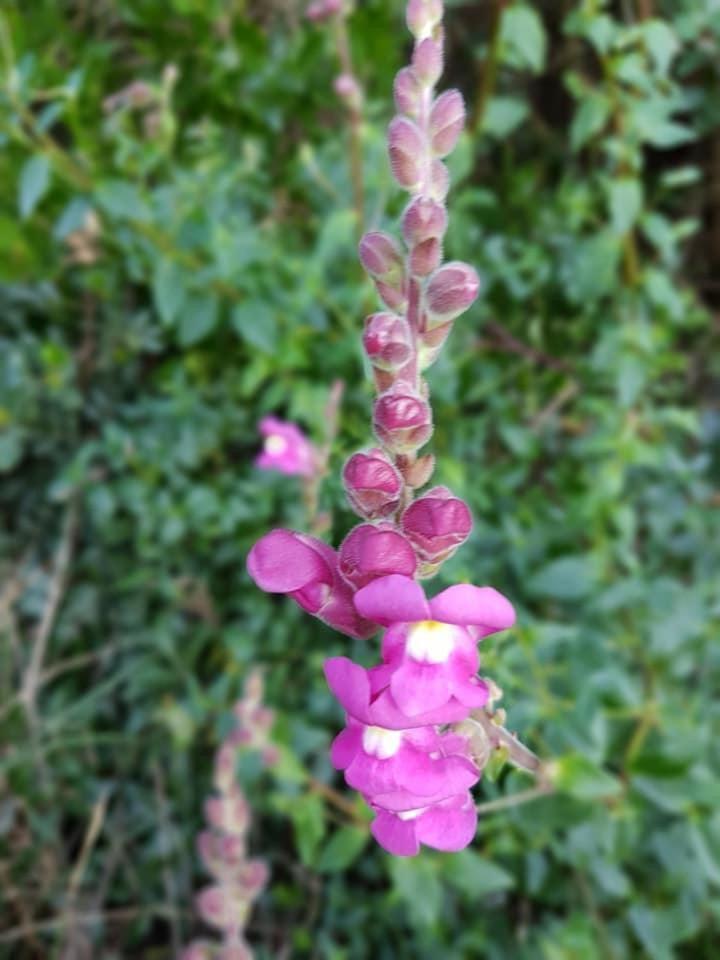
[[84, 919], [505, 339], [566, 393]]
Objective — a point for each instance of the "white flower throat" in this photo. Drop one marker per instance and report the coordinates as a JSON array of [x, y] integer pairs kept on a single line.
[[430, 641], [381, 743], [275, 444]]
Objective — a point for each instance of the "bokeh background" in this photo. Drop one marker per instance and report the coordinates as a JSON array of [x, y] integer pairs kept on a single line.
[[177, 259]]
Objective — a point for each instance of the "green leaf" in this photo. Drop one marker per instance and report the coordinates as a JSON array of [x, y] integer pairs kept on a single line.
[[417, 884], [576, 775], [591, 266], [590, 118], [256, 323], [567, 578], [503, 116], [122, 200], [476, 876], [168, 289], [662, 43], [654, 929], [342, 849], [197, 318], [34, 183], [308, 817], [10, 449], [523, 38], [625, 197]]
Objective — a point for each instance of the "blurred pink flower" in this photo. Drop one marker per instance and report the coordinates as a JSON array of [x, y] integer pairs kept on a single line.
[[286, 448]]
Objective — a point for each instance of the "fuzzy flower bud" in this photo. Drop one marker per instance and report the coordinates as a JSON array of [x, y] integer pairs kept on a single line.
[[427, 61], [439, 180], [370, 551], [436, 524], [402, 420], [349, 91], [407, 150], [447, 119], [425, 257], [423, 16], [423, 219], [387, 341], [372, 484], [451, 290], [407, 92], [382, 257]]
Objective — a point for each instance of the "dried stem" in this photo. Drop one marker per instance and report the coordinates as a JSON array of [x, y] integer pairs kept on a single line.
[[342, 44], [489, 67]]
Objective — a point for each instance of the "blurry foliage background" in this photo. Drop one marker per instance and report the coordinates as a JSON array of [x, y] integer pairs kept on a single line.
[[178, 258]]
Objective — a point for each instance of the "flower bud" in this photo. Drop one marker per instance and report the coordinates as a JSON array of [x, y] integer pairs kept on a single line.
[[451, 290], [423, 219], [425, 257], [229, 812], [427, 61], [217, 907], [423, 16], [370, 551], [436, 524], [407, 150], [372, 484], [198, 950], [439, 180], [417, 472], [348, 89], [402, 420], [394, 297], [431, 343], [387, 341], [382, 257], [407, 92], [447, 118]]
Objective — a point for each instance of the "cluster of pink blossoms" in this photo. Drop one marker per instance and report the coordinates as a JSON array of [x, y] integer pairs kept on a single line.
[[238, 880], [404, 746]]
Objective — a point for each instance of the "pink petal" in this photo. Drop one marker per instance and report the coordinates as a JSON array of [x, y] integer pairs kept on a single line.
[[370, 775], [449, 825], [473, 692], [465, 604], [418, 773], [392, 599], [395, 835], [281, 562], [386, 713], [345, 745], [350, 685], [419, 687]]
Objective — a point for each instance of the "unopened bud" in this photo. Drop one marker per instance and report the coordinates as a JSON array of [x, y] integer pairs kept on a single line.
[[407, 150], [439, 180], [423, 219], [425, 257], [408, 93], [436, 524], [394, 297], [382, 257], [423, 16], [427, 61], [370, 551], [417, 472], [402, 420], [447, 118], [349, 90], [387, 341], [431, 343], [451, 290], [372, 484]]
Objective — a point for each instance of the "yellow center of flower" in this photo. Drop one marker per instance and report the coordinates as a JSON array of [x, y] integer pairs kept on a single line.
[[381, 743], [431, 641], [275, 445]]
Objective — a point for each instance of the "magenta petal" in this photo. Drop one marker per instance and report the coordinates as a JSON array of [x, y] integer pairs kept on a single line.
[[465, 604], [350, 685], [370, 775], [392, 599], [473, 692], [385, 713], [419, 687], [345, 745], [395, 835], [421, 775], [449, 825], [280, 562]]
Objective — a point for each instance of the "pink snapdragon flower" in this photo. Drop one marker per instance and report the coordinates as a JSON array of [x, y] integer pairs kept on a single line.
[[286, 448], [449, 825], [419, 762], [306, 569]]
